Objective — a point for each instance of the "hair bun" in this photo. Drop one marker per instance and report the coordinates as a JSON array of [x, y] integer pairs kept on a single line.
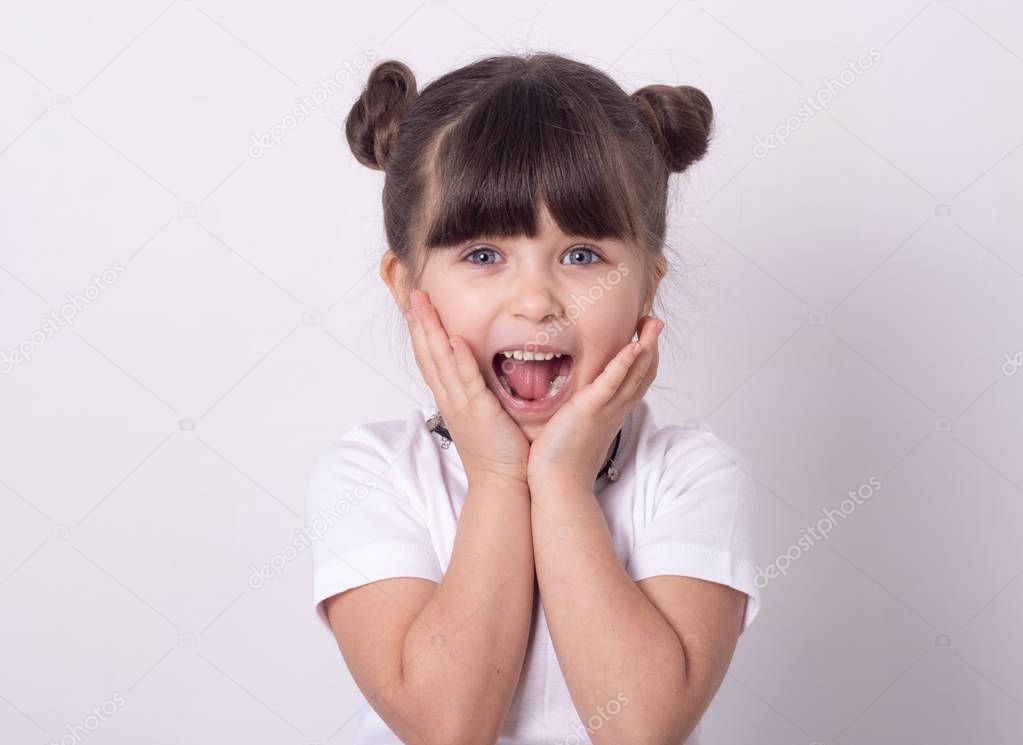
[[373, 121], [680, 119]]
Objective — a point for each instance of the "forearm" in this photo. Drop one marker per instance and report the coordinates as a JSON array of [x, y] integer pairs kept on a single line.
[[611, 642], [463, 653]]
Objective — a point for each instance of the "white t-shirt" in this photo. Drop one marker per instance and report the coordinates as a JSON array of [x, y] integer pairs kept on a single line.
[[384, 499]]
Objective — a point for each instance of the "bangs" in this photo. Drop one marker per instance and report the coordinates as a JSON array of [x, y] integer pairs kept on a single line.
[[525, 146]]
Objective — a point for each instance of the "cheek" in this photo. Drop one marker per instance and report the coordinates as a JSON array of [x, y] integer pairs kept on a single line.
[[458, 320], [605, 330], [611, 326]]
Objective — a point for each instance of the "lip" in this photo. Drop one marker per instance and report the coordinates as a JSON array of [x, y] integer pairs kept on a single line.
[[540, 406]]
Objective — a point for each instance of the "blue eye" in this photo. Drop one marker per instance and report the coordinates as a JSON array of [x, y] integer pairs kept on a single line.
[[584, 250], [480, 251], [577, 251]]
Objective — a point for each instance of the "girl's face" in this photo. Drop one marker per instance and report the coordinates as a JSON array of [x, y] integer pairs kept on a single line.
[[557, 293]]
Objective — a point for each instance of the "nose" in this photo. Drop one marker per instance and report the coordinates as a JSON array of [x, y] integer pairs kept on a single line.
[[534, 296]]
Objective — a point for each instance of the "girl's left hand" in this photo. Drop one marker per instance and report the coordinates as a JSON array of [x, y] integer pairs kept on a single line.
[[573, 445]]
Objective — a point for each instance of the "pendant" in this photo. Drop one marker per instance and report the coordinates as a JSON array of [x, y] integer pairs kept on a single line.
[[436, 424]]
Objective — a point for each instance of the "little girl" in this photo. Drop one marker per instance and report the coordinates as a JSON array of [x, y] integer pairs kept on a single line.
[[531, 559]]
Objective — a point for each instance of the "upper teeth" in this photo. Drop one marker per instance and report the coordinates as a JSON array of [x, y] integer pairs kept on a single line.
[[520, 355]]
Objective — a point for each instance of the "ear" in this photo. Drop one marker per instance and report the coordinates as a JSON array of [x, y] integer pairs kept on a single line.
[[660, 269], [395, 276]]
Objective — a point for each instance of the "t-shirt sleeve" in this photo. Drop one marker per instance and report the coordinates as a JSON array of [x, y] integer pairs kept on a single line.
[[702, 522], [360, 527]]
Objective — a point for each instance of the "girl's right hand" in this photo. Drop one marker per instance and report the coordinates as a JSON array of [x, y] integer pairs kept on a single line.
[[487, 439]]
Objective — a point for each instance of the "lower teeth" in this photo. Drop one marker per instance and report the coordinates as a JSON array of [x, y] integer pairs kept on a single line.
[[556, 385]]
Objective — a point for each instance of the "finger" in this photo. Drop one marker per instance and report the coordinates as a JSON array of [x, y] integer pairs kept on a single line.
[[465, 363], [422, 353], [440, 349], [472, 386], [625, 373], [644, 369], [610, 380]]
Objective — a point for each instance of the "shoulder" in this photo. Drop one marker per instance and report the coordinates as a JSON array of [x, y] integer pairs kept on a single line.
[[689, 467], [685, 454], [369, 452], [378, 441], [699, 515]]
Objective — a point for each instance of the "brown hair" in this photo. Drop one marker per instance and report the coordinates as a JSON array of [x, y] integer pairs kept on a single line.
[[478, 150]]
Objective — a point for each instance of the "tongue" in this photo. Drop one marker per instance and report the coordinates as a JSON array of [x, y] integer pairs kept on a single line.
[[530, 379]]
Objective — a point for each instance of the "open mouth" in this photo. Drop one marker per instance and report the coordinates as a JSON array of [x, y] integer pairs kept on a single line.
[[529, 382]]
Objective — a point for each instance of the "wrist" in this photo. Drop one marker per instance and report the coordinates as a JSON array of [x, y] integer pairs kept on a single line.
[[560, 502], [560, 483], [497, 480]]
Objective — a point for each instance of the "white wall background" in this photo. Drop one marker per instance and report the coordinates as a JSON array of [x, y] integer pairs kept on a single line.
[[853, 312]]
